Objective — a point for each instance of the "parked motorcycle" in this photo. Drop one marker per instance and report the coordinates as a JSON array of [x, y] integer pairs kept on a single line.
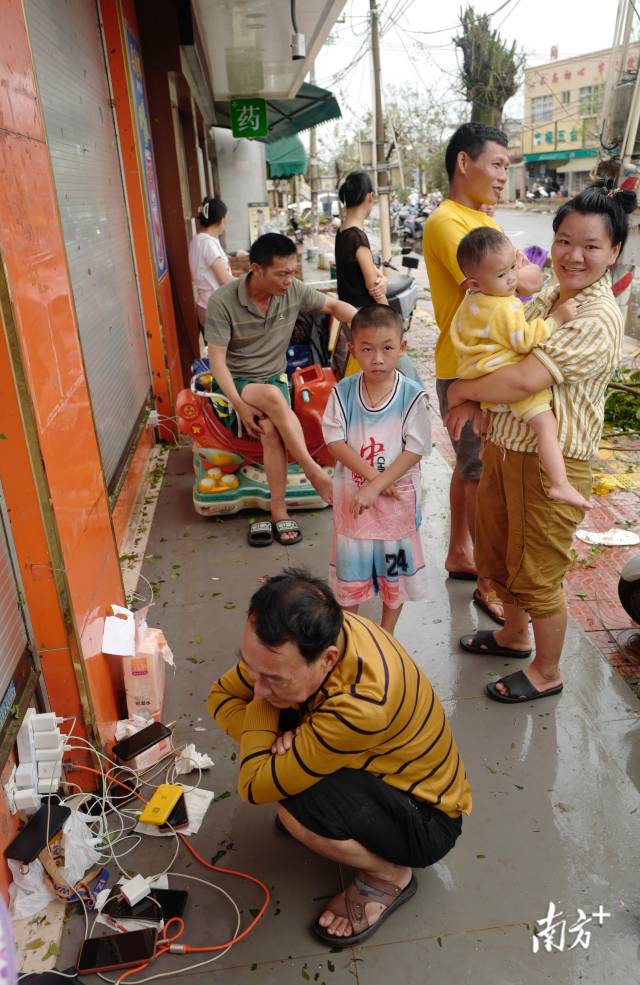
[[402, 290], [414, 223]]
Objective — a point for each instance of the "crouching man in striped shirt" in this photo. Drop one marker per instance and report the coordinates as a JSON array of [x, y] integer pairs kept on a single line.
[[338, 725]]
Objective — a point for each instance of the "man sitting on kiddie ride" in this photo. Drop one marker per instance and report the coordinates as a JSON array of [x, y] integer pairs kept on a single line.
[[248, 326]]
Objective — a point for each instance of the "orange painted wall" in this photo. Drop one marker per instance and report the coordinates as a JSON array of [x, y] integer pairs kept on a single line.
[[35, 260], [131, 486], [157, 302]]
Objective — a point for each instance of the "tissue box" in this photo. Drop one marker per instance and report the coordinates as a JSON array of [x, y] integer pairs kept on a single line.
[[144, 675]]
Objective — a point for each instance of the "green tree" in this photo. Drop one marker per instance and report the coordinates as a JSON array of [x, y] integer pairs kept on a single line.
[[418, 124], [490, 69]]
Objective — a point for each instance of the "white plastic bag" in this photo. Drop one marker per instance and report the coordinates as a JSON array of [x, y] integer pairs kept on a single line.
[[28, 893], [79, 855]]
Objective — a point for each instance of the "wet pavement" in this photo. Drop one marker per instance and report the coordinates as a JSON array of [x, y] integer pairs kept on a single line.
[[555, 786]]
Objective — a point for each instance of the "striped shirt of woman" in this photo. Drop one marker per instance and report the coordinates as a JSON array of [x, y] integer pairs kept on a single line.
[[581, 355], [375, 711]]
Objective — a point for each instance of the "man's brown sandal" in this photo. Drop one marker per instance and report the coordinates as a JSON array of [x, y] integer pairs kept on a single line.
[[352, 902]]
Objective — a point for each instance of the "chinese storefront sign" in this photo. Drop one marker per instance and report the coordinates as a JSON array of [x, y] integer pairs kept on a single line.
[[249, 117]]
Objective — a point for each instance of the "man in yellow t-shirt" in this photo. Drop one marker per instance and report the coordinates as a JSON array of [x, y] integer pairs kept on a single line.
[[477, 164]]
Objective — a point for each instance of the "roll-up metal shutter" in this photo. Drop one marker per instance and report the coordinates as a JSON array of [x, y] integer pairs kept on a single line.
[[19, 667], [70, 66], [13, 634]]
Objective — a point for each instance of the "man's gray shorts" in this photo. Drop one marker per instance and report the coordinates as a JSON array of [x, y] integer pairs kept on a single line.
[[467, 447]]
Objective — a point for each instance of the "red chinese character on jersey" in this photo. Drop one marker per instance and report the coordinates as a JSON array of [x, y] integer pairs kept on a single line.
[[601, 67], [554, 77], [580, 71], [543, 80], [567, 74], [371, 451], [631, 62]]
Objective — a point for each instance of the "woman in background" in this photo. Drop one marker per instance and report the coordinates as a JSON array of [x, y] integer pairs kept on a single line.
[[360, 283], [208, 262]]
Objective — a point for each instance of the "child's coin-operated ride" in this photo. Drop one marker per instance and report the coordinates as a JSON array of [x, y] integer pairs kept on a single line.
[[228, 466]]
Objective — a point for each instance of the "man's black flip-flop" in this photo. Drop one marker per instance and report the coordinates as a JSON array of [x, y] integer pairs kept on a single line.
[[520, 689], [462, 576], [484, 643], [287, 527], [260, 533]]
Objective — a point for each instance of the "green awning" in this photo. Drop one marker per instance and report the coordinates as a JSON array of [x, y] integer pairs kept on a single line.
[[286, 157], [287, 117], [557, 155]]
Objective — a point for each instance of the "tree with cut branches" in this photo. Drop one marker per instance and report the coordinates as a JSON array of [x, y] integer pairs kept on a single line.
[[490, 69]]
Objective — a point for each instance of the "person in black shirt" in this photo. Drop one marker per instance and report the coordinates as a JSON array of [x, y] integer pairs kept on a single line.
[[360, 283]]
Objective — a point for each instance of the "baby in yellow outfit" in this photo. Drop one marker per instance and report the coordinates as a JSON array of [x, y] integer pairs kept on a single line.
[[489, 330]]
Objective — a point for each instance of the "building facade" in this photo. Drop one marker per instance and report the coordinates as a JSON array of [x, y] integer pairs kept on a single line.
[[561, 125], [107, 146]]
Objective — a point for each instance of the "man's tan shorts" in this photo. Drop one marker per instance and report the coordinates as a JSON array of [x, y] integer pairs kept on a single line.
[[523, 538]]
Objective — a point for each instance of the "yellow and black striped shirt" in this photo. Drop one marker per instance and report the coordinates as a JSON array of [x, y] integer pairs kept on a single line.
[[581, 355], [376, 711]]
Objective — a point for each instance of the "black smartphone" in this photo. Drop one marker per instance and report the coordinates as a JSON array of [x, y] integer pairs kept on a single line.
[[178, 817], [119, 795], [39, 829], [160, 903], [132, 746], [117, 951]]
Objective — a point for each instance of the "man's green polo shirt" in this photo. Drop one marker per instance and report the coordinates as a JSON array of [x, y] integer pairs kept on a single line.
[[256, 344]]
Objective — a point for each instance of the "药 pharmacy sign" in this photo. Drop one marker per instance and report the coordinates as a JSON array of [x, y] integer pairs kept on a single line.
[[249, 117]]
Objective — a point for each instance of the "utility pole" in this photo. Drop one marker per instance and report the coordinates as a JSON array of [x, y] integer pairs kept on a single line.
[[313, 155], [379, 160]]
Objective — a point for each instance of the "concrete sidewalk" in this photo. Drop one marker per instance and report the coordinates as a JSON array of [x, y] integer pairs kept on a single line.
[[555, 786]]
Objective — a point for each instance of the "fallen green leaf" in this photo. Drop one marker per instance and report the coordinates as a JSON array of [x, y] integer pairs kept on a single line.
[[192, 660], [305, 974], [198, 639], [253, 967], [229, 605], [34, 945], [331, 966], [222, 796], [218, 855], [439, 940], [518, 785], [51, 951], [254, 911]]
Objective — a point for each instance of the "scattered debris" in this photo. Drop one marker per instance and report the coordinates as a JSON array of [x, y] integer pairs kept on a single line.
[[613, 537]]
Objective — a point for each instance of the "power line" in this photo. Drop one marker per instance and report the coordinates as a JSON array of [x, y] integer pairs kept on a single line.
[[441, 30]]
